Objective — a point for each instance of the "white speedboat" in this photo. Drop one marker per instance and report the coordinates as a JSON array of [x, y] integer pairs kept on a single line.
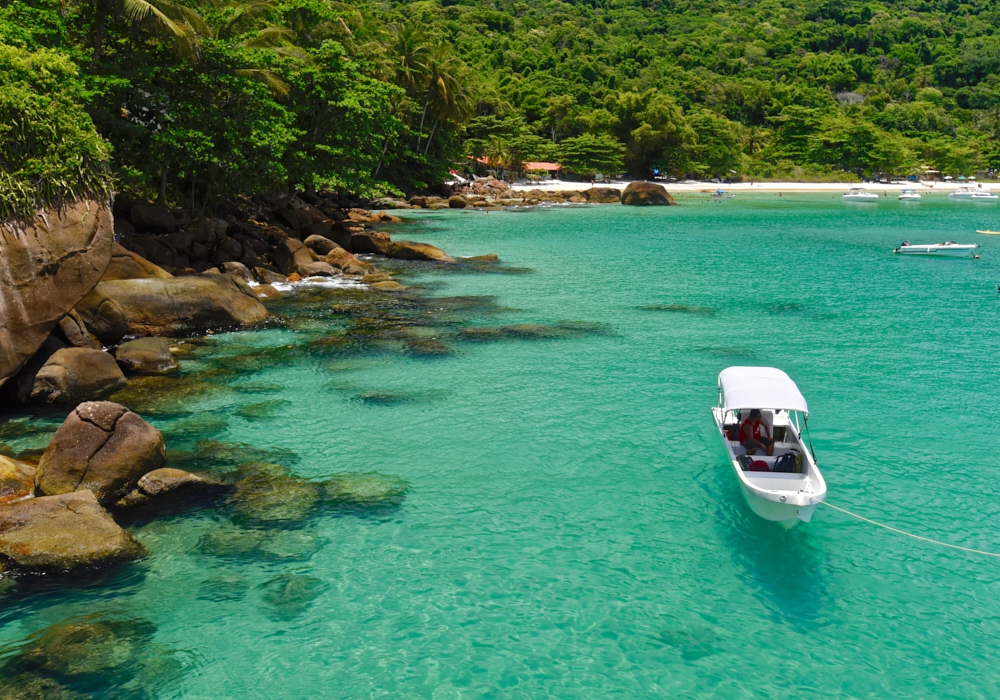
[[909, 195], [859, 194], [948, 249], [771, 489], [974, 194]]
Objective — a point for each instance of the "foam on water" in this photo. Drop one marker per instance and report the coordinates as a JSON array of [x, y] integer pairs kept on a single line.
[[570, 526]]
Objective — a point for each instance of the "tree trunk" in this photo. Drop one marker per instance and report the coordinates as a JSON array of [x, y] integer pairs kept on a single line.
[[378, 167], [99, 29], [423, 116], [431, 137], [161, 199]]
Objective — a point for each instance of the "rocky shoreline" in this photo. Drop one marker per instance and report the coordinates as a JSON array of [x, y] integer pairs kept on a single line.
[[112, 320]]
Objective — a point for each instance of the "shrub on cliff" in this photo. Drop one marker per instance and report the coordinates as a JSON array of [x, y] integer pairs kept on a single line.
[[49, 150]]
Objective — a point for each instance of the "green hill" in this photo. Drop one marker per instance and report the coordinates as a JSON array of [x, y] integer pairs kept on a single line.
[[203, 101]]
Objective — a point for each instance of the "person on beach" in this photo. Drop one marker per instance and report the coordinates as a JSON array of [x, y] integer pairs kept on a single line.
[[755, 435]]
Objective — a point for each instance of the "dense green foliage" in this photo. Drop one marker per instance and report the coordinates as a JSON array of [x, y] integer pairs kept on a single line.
[[201, 101], [766, 88]]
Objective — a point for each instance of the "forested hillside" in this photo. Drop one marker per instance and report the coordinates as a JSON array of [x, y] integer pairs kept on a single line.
[[202, 101]]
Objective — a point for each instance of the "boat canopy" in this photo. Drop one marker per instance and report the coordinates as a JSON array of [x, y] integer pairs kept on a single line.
[[760, 387]]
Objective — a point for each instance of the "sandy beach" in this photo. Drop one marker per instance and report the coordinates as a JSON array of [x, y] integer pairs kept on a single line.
[[695, 186]]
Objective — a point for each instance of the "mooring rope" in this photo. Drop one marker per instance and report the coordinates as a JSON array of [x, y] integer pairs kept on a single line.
[[909, 534]]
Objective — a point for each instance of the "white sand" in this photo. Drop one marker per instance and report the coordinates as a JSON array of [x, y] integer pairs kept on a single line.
[[692, 186]]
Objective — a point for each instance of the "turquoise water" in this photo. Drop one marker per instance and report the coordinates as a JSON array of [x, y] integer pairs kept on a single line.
[[571, 528]]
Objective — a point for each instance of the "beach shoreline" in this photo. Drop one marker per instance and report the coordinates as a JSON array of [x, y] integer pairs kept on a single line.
[[698, 186]]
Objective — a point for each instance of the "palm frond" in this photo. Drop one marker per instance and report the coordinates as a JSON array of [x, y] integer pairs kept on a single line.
[[278, 87]]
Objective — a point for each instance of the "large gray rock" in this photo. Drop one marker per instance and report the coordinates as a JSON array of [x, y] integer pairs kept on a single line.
[[104, 317], [146, 356], [645, 194], [74, 330], [61, 533], [46, 267], [181, 305], [76, 374], [411, 250], [126, 265], [163, 482], [291, 254], [101, 447]]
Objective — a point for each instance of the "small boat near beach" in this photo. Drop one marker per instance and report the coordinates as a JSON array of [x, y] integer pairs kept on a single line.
[[948, 249], [722, 194], [786, 486], [859, 194], [988, 232], [973, 194], [909, 195]]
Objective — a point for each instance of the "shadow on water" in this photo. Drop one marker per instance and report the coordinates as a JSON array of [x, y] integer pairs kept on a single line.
[[780, 567]]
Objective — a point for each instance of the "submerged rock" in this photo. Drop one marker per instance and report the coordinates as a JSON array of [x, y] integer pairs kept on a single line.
[[679, 308], [365, 489], [101, 447], [62, 533], [96, 657], [75, 374], [229, 540], [268, 492], [146, 356], [290, 595], [164, 395]]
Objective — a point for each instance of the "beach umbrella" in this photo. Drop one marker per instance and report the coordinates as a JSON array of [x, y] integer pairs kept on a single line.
[[961, 177], [948, 177]]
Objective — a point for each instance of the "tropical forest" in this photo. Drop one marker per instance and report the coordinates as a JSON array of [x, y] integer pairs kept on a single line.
[[199, 102]]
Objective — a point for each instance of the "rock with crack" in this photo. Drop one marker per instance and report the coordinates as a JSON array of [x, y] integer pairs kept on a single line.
[[46, 267], [101, 447], [62, 533]]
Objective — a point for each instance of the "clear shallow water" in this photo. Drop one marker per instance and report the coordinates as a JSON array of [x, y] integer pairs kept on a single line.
[[571, 528]]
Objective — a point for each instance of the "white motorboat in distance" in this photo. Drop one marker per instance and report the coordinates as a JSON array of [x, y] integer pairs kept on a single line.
[[787, 497], [948, 249], [909, 195], [973, 194], [859, 194]]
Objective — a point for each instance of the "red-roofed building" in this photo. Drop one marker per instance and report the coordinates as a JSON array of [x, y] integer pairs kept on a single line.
[[551, 168]]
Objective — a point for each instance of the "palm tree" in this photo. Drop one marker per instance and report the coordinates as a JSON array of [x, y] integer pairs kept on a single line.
[[180, 23], [413, 55], [459, 108], [498, 154], [442, 81]]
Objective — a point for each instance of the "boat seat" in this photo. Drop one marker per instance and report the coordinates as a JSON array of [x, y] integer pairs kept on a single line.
[[780, 448]]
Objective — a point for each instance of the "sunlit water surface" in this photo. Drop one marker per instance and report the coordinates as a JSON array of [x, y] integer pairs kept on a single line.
[[571, 528]]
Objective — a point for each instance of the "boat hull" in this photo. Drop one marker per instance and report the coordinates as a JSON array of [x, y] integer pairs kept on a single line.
[[860, 198], [785, 514], [938, 252]]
